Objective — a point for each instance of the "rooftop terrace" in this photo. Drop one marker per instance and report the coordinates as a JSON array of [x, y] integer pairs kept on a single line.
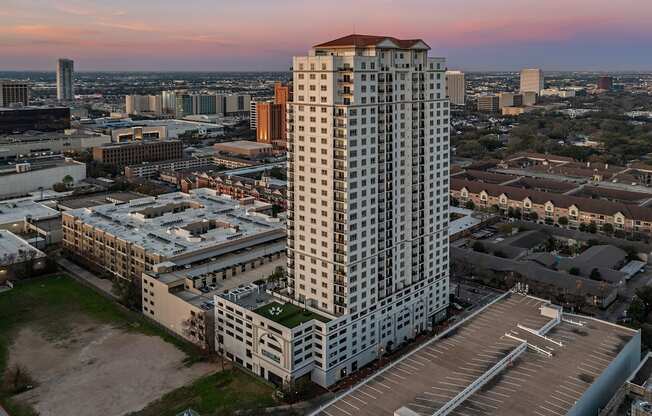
[[530, 363], [288, 315]]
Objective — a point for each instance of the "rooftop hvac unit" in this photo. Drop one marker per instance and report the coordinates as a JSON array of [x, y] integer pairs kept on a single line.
[[23, 167]]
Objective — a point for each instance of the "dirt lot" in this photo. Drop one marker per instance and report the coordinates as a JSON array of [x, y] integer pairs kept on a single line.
[[99, 369]]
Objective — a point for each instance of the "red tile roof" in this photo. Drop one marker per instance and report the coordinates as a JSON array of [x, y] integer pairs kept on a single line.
[[362, 41]]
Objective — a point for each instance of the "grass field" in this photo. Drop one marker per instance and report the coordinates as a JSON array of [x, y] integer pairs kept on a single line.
[[219, 394], [52, 305]]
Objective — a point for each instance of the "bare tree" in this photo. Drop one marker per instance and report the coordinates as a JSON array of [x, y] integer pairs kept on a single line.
[[194, 329]]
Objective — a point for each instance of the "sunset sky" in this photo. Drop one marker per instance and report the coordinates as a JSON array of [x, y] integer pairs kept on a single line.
[[214, 35]]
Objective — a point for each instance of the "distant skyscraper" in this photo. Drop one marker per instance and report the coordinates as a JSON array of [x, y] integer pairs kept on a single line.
[[14, 92], [605, 83], [455, 87], [168, 102], [138, 104], [65, 77], [270, 119], [532, 80], [489, 103], [253, 115], [183, 105], [529, 98]]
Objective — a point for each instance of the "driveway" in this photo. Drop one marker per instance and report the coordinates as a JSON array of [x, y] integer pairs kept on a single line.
[[79, 272]]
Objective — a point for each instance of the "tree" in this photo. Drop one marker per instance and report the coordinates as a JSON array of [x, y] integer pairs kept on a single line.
[[506, 228], [632, 253], [278, 173], [592, 228], [574, 271], [479, 247], [17, 379], [607, 228], [68, 181], [470, 205], [533, 216], [499, 253], [128, 292], [277, 276], [194, 329], [595, 274], [59, 187], [563, 221]]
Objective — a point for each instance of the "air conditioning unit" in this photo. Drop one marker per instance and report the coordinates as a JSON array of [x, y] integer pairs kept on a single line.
[[23, 167]]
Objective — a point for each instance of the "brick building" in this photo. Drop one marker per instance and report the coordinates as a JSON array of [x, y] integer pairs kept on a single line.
[[132, 153]]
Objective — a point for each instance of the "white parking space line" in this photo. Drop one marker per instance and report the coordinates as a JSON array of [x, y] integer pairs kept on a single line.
[[365, 393], [376, 390], [445, 389], [564, 400], [497, 394], [358, 399], [563, 408], [383, 385], [446, 383], [347, 403], [551, 411], [566, 394], [341, 410], [412, 360]]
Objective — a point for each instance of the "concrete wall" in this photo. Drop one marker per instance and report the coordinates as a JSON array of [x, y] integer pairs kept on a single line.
[[599, 393], [30, 181]]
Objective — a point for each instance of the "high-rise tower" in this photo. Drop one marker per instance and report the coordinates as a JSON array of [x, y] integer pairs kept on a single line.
[[65, 79], [455, 87], [532, 80], [368, 177]]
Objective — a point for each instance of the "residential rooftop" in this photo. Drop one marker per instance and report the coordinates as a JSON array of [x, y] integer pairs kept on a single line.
[[16, 210], [179, 224], [559, 200], [14, 249], [546, 361], [93, 200]]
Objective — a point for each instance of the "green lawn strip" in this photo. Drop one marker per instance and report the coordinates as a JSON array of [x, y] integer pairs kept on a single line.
[[217, 394], [53, 303]]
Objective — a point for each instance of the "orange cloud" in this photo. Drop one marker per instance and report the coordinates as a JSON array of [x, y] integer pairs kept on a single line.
[[132, 26]]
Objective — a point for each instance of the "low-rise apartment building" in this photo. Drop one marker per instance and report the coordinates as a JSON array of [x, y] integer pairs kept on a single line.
[[176, 229], [266, 189], [182, 300], [151, 169], [550, 208]]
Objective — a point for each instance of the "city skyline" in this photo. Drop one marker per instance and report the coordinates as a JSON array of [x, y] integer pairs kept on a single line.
[[474, 36]]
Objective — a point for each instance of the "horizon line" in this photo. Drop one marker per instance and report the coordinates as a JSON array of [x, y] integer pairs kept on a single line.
[[289, 70]]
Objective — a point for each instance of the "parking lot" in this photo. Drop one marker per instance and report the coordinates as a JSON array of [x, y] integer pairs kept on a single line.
[[545, 383]]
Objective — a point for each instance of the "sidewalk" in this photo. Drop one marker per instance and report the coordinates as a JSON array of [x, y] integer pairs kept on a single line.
[[102, 284], [3, 412]]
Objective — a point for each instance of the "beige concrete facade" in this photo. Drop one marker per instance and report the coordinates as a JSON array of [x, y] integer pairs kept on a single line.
[[368, 146]]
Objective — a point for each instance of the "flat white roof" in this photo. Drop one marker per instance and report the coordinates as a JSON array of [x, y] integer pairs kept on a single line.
[[463, 223], [178, 224], [15, 211], [14, 249]]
